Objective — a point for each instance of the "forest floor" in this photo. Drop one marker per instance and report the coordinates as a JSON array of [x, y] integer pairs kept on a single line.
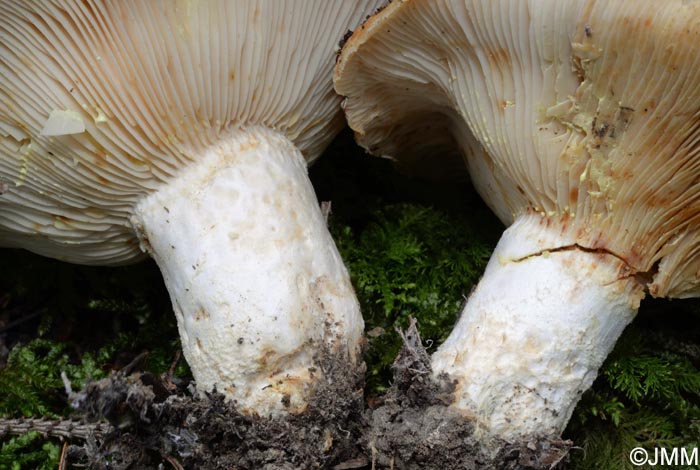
[[414, 250]]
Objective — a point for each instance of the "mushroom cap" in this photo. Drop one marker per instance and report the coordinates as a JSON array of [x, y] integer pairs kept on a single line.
[[103, 102], [585, 112]]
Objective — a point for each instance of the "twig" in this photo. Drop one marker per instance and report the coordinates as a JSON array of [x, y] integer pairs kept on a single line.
[[64, 428], [173, 366], [62, 461], [176, 465], [326, 210], [22, 319]]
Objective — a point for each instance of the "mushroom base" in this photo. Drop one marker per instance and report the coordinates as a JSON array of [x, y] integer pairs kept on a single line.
[[535, 331], [256, 282]]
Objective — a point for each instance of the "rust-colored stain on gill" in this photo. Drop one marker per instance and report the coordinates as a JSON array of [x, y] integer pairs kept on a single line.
[[499, 58], [573, 196]]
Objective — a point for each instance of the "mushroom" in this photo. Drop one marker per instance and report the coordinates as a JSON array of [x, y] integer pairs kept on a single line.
[[183, 130], [579, 123]]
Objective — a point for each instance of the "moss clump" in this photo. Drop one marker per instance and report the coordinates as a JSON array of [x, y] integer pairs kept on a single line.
[[410, 261], [31, 385], [408, 254], [82, 321], [31, 381], [29, 452], [647, 393]]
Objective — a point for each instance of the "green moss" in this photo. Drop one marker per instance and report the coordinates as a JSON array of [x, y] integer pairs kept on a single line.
[[31, 386], [413, 249], [29, 452], [647, 393], [31, 380], [83, 321], [410, 261]]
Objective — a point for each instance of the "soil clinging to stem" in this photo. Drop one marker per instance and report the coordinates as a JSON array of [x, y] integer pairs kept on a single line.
[[414, 428], [157, 422], [410, 427]]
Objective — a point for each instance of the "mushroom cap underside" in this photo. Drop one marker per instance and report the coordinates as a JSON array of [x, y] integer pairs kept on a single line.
[[587, 113], [103, 102]]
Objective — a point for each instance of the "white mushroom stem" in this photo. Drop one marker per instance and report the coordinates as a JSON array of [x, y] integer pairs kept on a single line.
[[535, 331], [257, 284]]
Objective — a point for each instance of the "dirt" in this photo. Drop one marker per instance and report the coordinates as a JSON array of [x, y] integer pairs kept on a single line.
[[414, 428], [161, 424]]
